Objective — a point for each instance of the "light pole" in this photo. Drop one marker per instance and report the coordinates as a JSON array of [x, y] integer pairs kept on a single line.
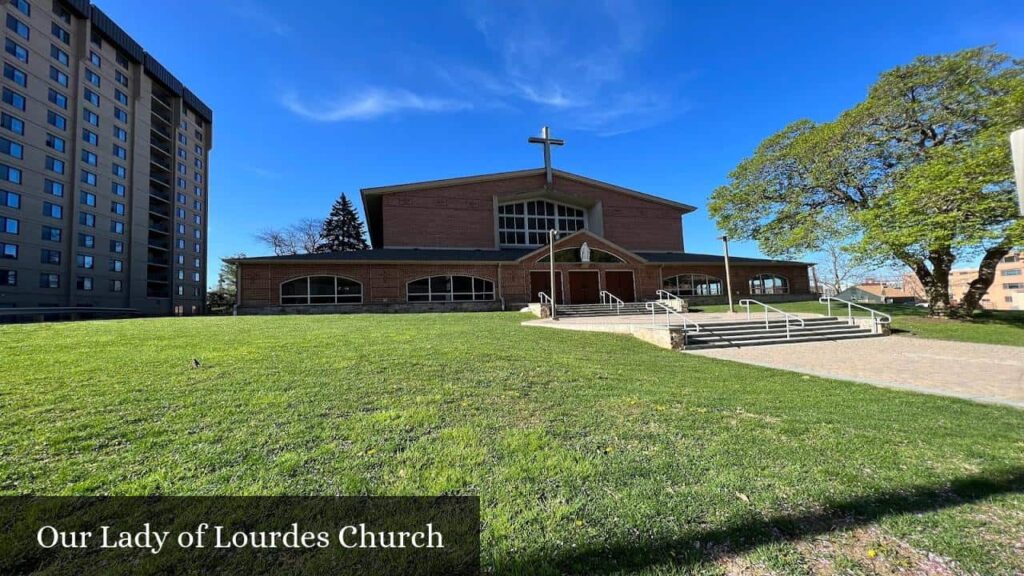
[[552, 234], [1017, 147], [728, 276]]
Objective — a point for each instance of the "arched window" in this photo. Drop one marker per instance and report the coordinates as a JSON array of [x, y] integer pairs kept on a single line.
[[321, 290], [449, 289], [573, 255], [693, 285], [769, 284], [527, 223]]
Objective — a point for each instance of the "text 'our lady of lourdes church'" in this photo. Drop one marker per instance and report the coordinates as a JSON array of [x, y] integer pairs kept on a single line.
[[481, 243]]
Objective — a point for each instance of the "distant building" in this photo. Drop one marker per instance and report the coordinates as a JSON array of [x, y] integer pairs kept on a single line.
[[879, 293], [103, 168], [1005, 293]]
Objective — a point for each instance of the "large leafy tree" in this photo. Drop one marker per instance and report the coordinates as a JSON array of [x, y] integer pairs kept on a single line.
[[343, 231], [921, 168]]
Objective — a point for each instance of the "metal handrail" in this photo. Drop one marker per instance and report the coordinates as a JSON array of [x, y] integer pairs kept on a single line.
[[882, 318], [746, 302], [668, 315], [666, 295], [544, 297], [612, 300]]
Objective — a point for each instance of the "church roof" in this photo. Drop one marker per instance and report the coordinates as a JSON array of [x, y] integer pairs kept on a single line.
[[692, 258], [398, 255], [372, 202]]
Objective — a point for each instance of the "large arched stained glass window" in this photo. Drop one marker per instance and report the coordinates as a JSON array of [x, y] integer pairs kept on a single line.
[[527, 223], [693, 285], [769, 284], [321, 290], [449, 289]]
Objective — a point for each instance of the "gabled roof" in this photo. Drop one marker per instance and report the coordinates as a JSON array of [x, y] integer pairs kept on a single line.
[[372, 203], [542, 250], [394, 255]]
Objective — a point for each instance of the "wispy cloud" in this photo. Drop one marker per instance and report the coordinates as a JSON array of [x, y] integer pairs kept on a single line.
[[367, 105], [259, 17]]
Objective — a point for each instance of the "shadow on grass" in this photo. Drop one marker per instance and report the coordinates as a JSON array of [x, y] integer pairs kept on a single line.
[[746, 535]]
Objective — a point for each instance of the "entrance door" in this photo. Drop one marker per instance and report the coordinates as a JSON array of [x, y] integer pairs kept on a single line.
[[584, 287], [620, 283], [541, 282]]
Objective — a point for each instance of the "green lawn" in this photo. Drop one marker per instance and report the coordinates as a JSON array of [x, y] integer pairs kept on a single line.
[[986, 327], [592, 453]]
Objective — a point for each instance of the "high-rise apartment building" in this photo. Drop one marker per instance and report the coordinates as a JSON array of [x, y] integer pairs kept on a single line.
[[103, 167]]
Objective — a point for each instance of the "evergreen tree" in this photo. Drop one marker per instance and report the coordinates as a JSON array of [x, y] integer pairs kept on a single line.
[[343, 231]]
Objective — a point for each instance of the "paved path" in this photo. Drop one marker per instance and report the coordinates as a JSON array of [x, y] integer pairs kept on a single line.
[[981, 372]]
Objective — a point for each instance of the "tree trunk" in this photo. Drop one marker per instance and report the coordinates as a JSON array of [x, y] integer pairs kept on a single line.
[[980, 285], [935, 280]]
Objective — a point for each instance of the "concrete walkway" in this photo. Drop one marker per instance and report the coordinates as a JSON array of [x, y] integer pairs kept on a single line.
[[980, 372]]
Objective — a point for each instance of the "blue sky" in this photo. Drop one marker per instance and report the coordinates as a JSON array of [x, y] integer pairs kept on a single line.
[[662, 97]]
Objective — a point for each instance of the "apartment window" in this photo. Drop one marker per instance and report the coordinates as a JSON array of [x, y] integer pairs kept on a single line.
[[95, 59], [120, 115], [8, 225], [55, 142], [116, 265], [121, 97], [121, 60], [16, 50], [59, 55], [87, 198], [90, 117], [197, 234], [181, 228], [56, 120], [198, 150], [11, 148], [118, 170], [1013, 286], [88, 178], [197, 219], [1011, 258], [54, 188], [183, 140], [60, 33], [195, 276], [57, 99], [17, 26], [180, 212], [116, 246], [90, 137], [12, 98], [10, 174], [117, 189], [92, 97], [181, 198], [181, 182], [83, 283], [120, 152], [116, 285], [181, 153], [181, 290], [85, 261], [198, 164], [47, 280], [12, 123], [92, 78], [22, 6], [86, 240], [86, 219], [195, 262], [117, 207], [95, 38], [60, 12], [54, 165], [53, 210], [8, 278], [51, 234], [180, 243], [58, 77], [116, 227], [121, 134], [121, 78], [1011, 272], [10, 199], [89, 158], [181, 274], [15, 75], [8, 251], [181, 259], [47, 256], [196, 247], [181, 168]]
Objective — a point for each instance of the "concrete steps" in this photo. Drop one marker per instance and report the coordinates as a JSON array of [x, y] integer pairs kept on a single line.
[[753, 333], [581, 310]]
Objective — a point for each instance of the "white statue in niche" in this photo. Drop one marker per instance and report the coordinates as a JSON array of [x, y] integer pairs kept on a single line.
[[585, 253]]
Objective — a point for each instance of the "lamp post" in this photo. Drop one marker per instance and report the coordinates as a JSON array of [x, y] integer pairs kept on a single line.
[[552, 234], [1017, 147], [728, 276]]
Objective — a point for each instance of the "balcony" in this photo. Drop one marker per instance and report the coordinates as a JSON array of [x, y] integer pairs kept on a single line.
[[159, 243]]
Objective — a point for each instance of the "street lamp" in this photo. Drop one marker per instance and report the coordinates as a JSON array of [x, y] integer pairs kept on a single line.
[[728, 277], [552, 234], [1017, 147]]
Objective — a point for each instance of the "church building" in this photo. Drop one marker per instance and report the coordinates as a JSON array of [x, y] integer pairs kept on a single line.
[[482, 243]]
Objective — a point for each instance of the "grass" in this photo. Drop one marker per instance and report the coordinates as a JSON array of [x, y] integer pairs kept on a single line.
[[592, 453], [985, 327]]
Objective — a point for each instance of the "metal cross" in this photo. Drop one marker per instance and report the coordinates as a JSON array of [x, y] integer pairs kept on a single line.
[[548, 142]]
